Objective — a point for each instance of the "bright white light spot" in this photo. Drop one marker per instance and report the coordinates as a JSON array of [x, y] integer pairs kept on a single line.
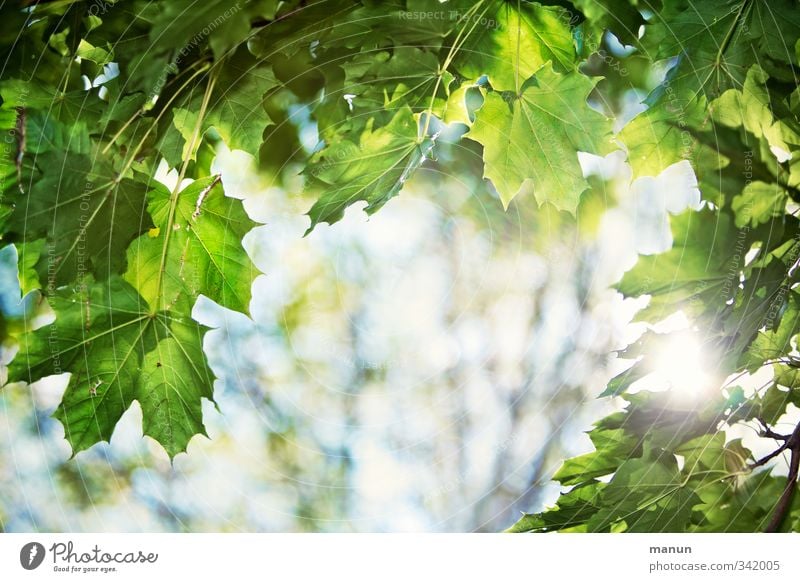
[[110, 71], [780, 154], [169, 178], [683, 363], [677, 321]]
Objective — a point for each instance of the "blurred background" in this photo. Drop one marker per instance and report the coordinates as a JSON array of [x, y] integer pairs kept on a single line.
[[423, 369]]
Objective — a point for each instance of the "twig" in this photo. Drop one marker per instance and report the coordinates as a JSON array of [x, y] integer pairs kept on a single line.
[[772, 455], [766, 431]]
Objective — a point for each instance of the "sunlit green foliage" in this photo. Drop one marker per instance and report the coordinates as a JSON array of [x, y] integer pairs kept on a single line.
[[96, 94], [728, 103]]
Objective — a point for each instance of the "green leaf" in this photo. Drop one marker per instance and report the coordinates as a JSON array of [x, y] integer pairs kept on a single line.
[[29, 254], [643, 494], [508, 42], [776, 26], [95, 54], [235, 110], [713, 53], [44, 133], [772, 344], [86, 214], [758, 203], [708, 453], [183, 24], [408, 77], [712, 56], [457, 108], [374, 169], [174, 380], [79, 108], [196, 248], [612, 446], [657, 138], [702, 264], [99, 337], [622, 381], [331, 24], [536, 136], [747, 508], [772, 404], [144, 63], [133, 338], [787, 375], [574, 509], [117, 352], [619, 16], [752, 107]]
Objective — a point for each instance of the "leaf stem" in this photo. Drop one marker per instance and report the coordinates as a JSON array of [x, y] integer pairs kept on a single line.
[[454, 48], [173, 203], [157, 118]]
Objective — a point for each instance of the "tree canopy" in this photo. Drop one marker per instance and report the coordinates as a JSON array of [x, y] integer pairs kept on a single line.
[[98, 95]]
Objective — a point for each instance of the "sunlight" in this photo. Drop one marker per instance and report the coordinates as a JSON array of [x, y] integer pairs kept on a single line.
[[683, 363]]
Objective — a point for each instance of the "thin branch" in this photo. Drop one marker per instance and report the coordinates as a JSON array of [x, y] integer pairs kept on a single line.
[[767, 432], [765, 459]]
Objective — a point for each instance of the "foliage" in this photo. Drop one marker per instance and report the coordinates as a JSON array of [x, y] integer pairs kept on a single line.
[[729, 103], [95, 94]]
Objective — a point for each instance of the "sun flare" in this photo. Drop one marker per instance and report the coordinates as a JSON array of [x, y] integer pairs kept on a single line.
[[684, 363]]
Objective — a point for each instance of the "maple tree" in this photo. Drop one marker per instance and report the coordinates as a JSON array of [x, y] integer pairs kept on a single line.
[[95, 94]]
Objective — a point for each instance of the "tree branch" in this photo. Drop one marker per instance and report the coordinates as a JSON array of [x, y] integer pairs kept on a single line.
[[766, 431], [763, 460], [782, 508]]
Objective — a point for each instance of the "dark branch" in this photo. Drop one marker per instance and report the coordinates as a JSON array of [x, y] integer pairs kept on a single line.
[[782, 508], [764, 460], [766, 431]]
